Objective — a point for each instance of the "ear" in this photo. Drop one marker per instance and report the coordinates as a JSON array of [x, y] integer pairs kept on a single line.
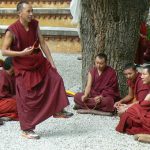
[[19, 14]]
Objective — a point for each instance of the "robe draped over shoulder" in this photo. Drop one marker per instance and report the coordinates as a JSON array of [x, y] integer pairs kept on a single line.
[[40, 91], [105, 85]]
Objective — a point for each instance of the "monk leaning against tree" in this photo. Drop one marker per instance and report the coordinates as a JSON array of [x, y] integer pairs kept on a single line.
[[101, 90]]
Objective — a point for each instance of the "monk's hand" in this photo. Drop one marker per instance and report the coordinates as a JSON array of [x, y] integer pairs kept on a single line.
[[117, 104], [27, 51], [122, 108], [143, 36], [84, 98], [98, 99], [53, 65]]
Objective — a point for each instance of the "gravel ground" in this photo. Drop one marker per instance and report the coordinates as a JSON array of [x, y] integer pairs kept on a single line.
[[81, 132]]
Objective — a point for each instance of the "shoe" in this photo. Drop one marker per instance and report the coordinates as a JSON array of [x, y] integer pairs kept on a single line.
[[76, 107], [69, 114], [5, 119], [63, 114], [30, 134], [1, 122]]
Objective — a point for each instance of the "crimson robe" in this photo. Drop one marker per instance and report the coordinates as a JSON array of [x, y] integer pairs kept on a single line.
[[40, 91], [143, 46], [147, 55], [136, 119], [140, 90], [1, 63], [8, 107], [105, 85]]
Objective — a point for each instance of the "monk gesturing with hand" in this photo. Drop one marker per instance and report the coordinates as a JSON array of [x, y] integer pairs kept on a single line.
[[40, 91]]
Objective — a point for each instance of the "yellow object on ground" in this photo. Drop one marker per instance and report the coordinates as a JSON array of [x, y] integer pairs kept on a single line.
[[70, 93]]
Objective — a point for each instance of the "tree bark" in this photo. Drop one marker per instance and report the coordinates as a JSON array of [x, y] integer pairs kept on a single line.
[[112, 27]]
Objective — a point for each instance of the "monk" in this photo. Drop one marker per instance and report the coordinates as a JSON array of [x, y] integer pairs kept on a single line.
[[143, 50], [40, 91], [101, 90], [147, 56], [137, 91], [136, 120], [142, 45], [8, 107]]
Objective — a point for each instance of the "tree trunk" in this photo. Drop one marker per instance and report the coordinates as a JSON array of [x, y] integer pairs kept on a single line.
[[112, 27]]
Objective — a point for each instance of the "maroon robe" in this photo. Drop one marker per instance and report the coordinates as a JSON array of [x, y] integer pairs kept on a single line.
[[143, 46], [140, 90], [147, 55], [1, 63], [105, 85], [136, 119], [8, 106], [40, 91]]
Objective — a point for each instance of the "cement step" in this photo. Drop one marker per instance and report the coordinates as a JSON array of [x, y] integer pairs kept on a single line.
[[38, 3], [59, 39], [50, 31], [59, 11], [46, 16]]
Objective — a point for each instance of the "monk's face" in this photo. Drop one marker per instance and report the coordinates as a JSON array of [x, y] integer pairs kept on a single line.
[[100, 63], [26, 14], [130, 74], [145, 76]]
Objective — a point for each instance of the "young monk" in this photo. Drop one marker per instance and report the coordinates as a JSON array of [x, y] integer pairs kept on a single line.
[[8, 107], [101, 90], [136, 120], [40, 91], [136, 89]]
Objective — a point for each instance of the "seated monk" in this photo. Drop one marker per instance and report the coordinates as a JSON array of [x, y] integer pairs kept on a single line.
[[136, 120], [101, 90], [136, 89], [8, 108]]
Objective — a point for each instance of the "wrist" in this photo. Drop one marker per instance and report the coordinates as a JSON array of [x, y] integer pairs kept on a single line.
[[85, 95], [121, 101]]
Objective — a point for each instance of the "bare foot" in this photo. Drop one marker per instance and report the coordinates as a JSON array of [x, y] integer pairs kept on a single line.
[[145, 138]]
